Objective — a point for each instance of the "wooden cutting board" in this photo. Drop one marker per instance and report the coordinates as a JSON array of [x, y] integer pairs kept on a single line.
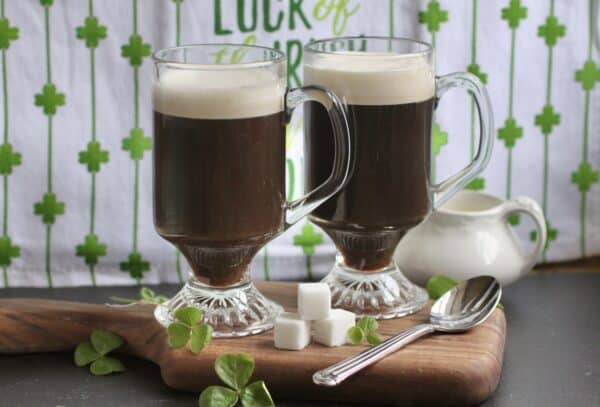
[[459, 369]]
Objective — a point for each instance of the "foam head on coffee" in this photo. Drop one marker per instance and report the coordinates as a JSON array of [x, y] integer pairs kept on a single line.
[[223, 93], [373, 78]]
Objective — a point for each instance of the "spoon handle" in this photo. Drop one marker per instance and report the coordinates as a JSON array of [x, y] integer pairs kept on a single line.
[[337, 373]]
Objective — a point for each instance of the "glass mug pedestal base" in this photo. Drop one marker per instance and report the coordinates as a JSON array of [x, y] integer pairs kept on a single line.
[[232, 311], [382, 294]]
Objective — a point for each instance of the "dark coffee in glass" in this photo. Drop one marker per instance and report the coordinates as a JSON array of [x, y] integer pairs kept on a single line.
[[390, 91], [220, 113]]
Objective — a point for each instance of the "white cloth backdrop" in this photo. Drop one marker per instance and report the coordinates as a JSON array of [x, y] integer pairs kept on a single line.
[[77, 217]]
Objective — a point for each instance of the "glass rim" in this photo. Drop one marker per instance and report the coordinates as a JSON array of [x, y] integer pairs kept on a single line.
[[311, 46], [159, 59]]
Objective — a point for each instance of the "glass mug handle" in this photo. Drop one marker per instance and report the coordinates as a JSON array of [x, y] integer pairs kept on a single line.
[[299, 208], [444, 190]]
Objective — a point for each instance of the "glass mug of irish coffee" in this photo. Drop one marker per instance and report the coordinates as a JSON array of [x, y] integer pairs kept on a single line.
[[220, 112], [390, 91]]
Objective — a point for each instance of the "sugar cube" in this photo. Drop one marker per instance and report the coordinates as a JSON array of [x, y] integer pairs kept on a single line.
[[332, 331], [314, 301], [291, 332]]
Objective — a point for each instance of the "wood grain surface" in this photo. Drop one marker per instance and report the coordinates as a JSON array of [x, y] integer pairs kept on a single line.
[[459, 369]]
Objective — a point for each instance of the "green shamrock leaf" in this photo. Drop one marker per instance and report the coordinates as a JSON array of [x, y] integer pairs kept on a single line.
[[200, 337], [187, 330], [550, 236], [551, 31], [105, 342], [46, 3], [475, 70], [49, 208], [433, 16], [510, 132], [91, 32], [438, 285], [106, 365], [440, 138], [49, 99], [135, 265], [514, 13], [365, 329], [584, 177], [368, 324], [218, 396], [93, 157], [135, 50], [356, 335], [179, 334], [588, 75], [8, 251], [477, 184], [188, 315], [136, 144], [94, 351], [85, 354], [149, 296], [374, 338], [256, 395], [7, 33], [547, 119], [234, 369], [308, 239], [91, 249], [8, 159]]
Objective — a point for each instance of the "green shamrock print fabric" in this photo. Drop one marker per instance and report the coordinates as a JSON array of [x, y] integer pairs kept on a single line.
[[76, 120]]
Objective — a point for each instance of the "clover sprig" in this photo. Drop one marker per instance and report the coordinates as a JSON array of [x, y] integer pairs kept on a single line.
[[186, 330], [235, 371], [147, 296], [365, 330], [94, 353]]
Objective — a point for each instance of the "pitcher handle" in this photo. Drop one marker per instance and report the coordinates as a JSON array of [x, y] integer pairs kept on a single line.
[[340, 172], [529, 207], [444, 190]]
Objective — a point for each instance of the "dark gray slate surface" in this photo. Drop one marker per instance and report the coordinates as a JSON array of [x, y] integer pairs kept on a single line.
[[552, 355]]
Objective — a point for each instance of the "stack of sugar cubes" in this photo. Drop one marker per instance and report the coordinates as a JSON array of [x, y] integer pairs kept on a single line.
[[293, 331]]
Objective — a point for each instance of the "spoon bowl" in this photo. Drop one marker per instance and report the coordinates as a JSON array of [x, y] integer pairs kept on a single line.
[[466, 305], [462, 307]]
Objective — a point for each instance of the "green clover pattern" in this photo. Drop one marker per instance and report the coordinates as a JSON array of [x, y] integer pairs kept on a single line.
[[93, 157], [547, 119], [584, 177], [514, 13], [135, 50], [8, 251], [49, 208], [8, 159], [510, 133], [7, 33], [91, 32], [91, 249], [551, 31], [135, 265], [476, 70], [433, 17], [308, 239], [440, 138], [136, 144], [49, 99], [588, 75]]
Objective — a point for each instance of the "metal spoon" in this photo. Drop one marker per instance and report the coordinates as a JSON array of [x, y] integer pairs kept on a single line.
[[464, 306]]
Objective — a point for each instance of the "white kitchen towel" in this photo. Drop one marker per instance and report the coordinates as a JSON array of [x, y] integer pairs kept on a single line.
[[76, 118]]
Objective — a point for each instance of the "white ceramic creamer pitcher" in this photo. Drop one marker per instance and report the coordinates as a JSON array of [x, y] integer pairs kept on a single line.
[[469, 236]]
